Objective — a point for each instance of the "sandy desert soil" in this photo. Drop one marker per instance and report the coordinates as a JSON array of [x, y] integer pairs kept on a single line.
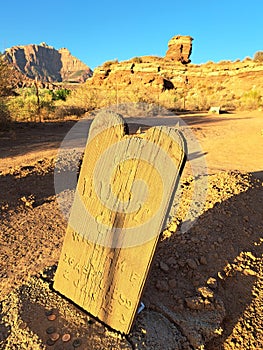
[[205, 288]]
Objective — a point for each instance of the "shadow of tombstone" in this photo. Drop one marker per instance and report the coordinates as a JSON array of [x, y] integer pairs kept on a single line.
[[208, 280]]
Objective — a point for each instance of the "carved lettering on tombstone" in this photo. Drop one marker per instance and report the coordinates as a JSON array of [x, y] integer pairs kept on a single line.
[[124, 192]]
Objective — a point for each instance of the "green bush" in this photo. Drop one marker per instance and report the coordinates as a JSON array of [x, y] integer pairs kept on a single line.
[[60, 94]]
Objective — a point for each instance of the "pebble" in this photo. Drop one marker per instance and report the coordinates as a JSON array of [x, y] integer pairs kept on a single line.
[[195, 240], [52, 317], [203, 260], [172, 261], [164, 267], [66, 337], [54, 336], [50, 330], [162, 286], [172, 283], [76, 343], [195, 303], [50, 342], [191, 263], [220, 240], [23, 325], [49, 312], [181, 263]]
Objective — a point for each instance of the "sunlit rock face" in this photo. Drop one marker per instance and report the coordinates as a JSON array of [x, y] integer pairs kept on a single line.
[[179, 49]]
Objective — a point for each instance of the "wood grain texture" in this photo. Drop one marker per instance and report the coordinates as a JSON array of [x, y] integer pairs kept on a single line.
[[124, 193]]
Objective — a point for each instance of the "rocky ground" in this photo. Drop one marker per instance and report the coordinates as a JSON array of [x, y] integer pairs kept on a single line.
[[205, 287]]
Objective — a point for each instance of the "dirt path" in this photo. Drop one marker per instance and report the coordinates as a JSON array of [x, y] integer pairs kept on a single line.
[[205, 288], [232, 141], [229, 141]]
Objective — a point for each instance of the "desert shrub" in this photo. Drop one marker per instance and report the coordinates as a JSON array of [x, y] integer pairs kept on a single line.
[[170, 99], [63, 111], [258, 57], [6, 87], [107, 64], [60, 94], [224, 62], [23, 109], [208, 63], [5, 117], [137, 60], [27, 107], [251, 100], [201, 98], [198, 101], [89, 98]]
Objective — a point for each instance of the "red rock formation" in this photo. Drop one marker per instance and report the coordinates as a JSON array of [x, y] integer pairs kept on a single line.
[[47, 64], [179, 49]]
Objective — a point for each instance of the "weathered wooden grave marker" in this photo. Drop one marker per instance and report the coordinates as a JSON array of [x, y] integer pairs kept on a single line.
[[124, 192]]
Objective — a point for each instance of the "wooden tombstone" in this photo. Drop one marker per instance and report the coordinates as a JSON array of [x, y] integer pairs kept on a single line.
[[124, 193]]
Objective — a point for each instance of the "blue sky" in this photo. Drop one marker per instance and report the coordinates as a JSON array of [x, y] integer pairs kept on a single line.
[[99, 31]]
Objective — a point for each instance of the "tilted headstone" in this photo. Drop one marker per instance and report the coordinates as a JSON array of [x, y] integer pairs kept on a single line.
[[124, 193], [215, 110]]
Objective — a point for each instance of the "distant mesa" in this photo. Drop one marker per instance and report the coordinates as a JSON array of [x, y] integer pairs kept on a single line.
[[179, 49], [47, 64]]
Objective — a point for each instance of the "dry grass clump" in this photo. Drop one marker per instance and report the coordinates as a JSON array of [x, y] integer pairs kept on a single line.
[[251, 100]]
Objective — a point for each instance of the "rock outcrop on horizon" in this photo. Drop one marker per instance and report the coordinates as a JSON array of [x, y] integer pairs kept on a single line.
[[47, 64], [155, 73], [179, 49]]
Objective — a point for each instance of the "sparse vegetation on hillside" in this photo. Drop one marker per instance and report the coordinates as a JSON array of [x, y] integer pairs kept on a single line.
[[6, 87], [137, 60], [107, 64], [251, 100], [258, 57], [190, 97], [5, 90]]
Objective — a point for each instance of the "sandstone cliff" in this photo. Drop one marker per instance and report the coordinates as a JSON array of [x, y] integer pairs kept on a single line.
[[47, 64], [151, 78]]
